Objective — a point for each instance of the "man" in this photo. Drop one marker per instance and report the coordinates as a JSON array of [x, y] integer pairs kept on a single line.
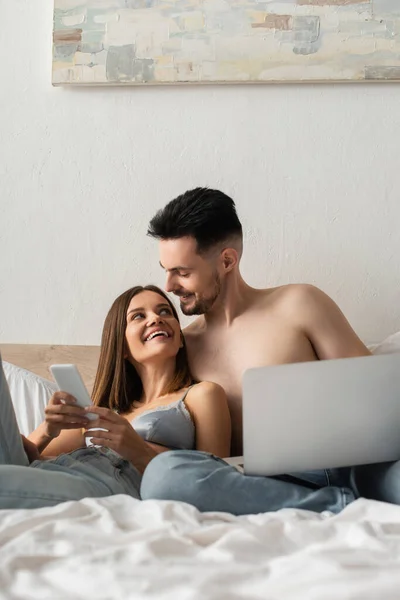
[[240, 327]]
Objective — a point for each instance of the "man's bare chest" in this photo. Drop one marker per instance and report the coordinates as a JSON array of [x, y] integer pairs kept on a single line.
[[224, 358]]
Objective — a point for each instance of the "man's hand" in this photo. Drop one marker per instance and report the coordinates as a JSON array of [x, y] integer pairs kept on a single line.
[[31, 449]]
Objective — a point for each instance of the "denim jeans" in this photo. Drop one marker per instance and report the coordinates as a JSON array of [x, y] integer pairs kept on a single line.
[[87, 472], [210, 484]]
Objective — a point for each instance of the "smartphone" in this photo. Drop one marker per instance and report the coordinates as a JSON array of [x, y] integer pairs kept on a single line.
[[69, 380]]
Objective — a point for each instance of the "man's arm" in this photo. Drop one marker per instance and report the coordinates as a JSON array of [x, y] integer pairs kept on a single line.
[[324, 324]]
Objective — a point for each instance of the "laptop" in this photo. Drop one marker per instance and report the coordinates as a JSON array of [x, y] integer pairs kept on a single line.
[[321, 414]]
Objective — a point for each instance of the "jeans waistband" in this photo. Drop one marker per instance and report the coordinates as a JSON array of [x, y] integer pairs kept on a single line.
[[85, 454]]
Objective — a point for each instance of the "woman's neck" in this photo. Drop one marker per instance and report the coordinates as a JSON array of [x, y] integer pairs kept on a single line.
[[155, 379]]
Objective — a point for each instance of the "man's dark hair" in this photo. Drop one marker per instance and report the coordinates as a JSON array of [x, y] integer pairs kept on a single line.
[[209, 216]]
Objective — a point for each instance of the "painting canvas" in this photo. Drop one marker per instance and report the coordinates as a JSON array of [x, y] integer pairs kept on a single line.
[[221, 41]]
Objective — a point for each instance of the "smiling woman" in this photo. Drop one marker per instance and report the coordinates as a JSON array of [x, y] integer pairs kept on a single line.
[[126, 356], [146, 403]]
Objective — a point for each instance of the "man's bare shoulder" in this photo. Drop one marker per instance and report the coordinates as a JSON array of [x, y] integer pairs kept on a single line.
[[287, 297], [293, 304], [310, 310]]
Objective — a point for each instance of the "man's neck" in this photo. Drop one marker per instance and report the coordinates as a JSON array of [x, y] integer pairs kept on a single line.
[[235, 299]]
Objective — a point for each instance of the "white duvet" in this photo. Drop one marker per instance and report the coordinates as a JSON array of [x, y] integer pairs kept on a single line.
[[123, 548]]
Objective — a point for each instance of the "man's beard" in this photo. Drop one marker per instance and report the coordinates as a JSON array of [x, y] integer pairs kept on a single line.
[[203, 305]]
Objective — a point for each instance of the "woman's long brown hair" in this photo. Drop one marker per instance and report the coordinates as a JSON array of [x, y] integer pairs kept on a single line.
[[117, 384]]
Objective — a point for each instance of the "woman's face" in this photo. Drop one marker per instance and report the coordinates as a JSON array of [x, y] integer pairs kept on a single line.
[[152, 331]]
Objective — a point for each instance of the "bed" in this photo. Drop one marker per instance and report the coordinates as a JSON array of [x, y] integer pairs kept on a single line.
[[122, 548]]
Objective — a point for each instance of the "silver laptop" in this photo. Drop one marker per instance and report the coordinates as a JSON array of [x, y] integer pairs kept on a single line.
[[321, 414]]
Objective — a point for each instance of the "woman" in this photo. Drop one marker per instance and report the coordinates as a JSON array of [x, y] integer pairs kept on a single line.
[[146, 403]]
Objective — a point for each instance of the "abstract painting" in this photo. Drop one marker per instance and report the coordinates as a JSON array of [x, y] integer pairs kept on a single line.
[[221, 41]]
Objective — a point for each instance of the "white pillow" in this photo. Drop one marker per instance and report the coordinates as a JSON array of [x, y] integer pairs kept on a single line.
[[29, 394], [390, 345]]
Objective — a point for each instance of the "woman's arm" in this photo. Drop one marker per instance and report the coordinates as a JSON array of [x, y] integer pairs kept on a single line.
[[66, 441], [208, 406], [119, 435], [158, 449]]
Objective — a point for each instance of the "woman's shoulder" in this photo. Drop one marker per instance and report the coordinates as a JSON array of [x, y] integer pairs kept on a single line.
[[206, 390]]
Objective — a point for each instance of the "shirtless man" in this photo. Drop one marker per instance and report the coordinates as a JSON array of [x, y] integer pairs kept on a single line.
[[240, 327]]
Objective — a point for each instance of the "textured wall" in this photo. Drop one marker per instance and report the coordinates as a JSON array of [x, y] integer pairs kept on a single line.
[[314, 169]]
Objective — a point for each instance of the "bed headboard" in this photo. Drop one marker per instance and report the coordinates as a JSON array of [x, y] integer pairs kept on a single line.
[[38, 358]]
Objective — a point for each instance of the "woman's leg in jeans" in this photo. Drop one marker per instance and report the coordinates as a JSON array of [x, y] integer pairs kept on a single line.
[[84, 473], [11, 448], [27, 487], [210, 484], [51, 482]]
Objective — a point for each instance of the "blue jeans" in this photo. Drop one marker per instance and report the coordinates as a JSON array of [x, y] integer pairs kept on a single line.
[[84, 473], [210, 484]]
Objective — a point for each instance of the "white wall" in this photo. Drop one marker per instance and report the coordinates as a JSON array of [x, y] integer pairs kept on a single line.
[[315, 171]]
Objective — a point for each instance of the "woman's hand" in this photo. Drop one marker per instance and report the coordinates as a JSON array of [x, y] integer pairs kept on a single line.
[[119, 436], [61, 413]]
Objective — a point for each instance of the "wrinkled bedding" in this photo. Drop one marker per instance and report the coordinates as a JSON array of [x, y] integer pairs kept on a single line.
[[119, 547]]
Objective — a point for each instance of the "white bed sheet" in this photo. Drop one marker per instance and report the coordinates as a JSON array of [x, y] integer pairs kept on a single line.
[[122, 548]]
